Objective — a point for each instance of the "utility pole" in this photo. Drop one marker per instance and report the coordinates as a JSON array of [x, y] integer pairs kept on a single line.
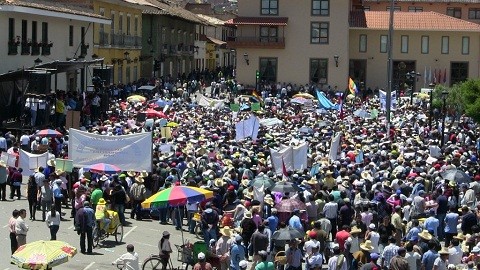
[[388, 102]]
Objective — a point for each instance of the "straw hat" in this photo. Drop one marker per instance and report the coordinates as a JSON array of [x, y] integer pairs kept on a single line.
[[444, 251], [459, 236], [367, 245], [144, 174], [226, 231], [101, 201], [425, 235], [139, 179], [247, 215], [268, 200], [190, 165], [245, 182], [59, 172], [355, 229], [219, 182], [312, 181], [366, 175], [51, 162], [131, 173]]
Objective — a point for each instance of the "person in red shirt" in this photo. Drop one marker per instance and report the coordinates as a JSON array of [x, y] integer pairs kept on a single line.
[[342, 236]]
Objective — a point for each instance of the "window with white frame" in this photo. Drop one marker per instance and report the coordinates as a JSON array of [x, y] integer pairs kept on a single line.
[[465, 45], [404, 45], [445, 45], [425, 44], [383, 43]]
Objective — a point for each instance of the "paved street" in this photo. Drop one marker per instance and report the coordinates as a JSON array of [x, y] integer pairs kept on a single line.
[[143, 234]]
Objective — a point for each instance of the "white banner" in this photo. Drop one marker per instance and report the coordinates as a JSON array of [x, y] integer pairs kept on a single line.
[[9, 159], [247, 128], [29, 162], [211, 103], [335, 145], [128, 152], [295, 158]]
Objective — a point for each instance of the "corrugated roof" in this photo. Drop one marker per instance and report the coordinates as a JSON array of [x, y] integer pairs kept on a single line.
[[281, 21], [430, 1], [52, 6], [432, 21]]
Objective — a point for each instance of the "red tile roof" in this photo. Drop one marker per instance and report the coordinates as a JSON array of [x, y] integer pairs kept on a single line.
[[416, 21], [281, 21], [430, 1]]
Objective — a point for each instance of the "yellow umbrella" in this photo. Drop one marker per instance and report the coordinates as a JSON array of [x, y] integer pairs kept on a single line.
[[42, 254], [172, 124], [304, 95], [136, 98], [424, 96]]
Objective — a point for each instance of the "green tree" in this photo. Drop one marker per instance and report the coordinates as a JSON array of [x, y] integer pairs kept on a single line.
[[470, 98]]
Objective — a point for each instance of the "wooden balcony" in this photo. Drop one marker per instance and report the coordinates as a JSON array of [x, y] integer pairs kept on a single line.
[[257, 42]]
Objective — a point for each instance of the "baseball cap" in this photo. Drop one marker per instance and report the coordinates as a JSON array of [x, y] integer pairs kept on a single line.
[[371, 226], [374, 256], [243, 264], [201, 256]]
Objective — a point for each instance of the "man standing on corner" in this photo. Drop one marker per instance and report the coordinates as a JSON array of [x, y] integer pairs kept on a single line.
[[84, 223]]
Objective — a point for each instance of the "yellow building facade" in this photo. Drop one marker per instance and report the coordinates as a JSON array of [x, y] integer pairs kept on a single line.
[[119, 43]]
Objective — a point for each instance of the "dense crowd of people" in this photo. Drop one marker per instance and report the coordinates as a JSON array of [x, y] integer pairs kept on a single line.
[[396, 198]]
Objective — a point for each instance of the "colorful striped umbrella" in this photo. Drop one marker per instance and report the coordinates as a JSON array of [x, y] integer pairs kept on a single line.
[[103, 168], [42, 254], [48, 133], [176, 196]]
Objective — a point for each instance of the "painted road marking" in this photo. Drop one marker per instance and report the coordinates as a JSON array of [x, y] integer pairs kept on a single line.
[[88, 266], [131, 230]]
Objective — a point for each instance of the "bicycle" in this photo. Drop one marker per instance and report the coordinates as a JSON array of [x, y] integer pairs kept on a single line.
[[115, 228], [154, 262]]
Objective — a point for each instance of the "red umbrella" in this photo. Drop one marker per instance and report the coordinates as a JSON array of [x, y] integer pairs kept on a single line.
[[288, 205], [153, 113]]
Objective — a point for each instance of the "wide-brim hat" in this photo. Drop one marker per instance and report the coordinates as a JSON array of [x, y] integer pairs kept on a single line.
[[248, 215], [355, 229], [366, 175], [444, 251], [131, 173], [139, 179], [425, 235], [268, 200], [144, 174], [367, 245], [59, 172], [312, 181], [245, 182], [226, 231], [51, 162], [103, 178], [219, 182], [459, 236], [190, 165]]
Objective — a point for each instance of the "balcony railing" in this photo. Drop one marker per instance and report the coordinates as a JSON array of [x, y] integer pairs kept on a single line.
[[25, 47], [118, 40], [46, 49], [130, 41], [257, 42], [104, 38], [138, 41], [36, 48]]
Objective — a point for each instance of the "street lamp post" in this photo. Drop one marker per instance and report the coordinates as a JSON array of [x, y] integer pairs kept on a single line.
[[430, 114], [444, 98]]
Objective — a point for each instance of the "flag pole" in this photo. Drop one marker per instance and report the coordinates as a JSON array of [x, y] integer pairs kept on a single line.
[[388, 100]]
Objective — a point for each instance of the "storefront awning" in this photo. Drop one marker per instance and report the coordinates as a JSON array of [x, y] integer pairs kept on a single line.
[[216, 41], [53, 67]]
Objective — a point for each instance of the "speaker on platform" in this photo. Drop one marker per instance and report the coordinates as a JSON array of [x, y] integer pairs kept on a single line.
[[40, 83], [105, 74]]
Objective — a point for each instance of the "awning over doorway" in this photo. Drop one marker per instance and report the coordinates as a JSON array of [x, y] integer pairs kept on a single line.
[[53, 67], [216, 41]]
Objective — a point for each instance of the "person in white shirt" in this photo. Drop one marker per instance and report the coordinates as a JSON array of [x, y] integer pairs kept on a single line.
[[129, 260], [53, 222], [315, 259], [456, 253], [413, 258], [21, 228], [25, 142], [334, 261]]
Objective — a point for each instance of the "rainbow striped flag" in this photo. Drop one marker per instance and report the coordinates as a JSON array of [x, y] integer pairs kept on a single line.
[[255, 94], [352, 86]]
